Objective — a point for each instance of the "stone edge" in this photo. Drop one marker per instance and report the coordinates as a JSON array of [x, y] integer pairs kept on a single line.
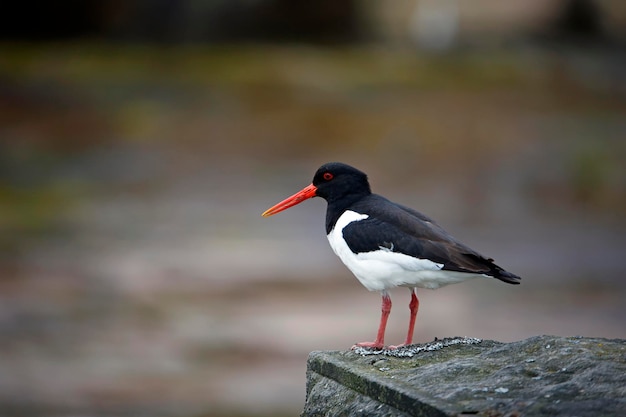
[[323, 363]]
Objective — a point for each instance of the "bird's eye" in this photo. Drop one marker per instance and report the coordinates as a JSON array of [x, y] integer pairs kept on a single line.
[[327, 176]]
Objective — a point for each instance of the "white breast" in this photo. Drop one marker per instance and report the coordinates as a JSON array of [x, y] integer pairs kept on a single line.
[[382, 269]]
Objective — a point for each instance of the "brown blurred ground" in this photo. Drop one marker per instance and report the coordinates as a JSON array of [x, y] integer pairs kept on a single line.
[[138, 278]]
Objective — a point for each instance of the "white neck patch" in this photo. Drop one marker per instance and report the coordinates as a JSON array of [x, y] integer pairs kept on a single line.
[[335, 237], [346, 218]]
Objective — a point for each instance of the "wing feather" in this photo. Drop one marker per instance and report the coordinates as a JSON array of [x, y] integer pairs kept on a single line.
[[400, 229]]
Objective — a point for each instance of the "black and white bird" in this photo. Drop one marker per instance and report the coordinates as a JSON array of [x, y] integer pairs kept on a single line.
[[388, 245]]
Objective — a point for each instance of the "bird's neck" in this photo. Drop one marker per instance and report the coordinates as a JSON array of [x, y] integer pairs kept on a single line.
[[337, 207]]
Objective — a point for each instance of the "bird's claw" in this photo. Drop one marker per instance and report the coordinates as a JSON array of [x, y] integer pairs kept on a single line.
[[378, 346], [369, 345]]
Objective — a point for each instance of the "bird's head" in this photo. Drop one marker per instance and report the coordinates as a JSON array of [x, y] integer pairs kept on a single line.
[[333, 181]]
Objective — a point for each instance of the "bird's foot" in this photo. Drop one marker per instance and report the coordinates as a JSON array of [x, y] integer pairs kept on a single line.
[[371, 345], [378, 346], [394, 347]]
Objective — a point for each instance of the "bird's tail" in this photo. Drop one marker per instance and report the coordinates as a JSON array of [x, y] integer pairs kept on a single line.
[[505, 276], [497, 271]]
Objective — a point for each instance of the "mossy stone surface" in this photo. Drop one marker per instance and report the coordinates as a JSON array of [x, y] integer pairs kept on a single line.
[[539, 376]]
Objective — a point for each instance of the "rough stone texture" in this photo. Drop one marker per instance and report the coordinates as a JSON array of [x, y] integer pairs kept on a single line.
[[539, 376]]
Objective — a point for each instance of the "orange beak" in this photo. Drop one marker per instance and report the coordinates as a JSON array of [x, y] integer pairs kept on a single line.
[[297, 198]]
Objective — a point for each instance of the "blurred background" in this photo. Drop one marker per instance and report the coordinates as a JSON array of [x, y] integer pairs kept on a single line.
[[141, 140]]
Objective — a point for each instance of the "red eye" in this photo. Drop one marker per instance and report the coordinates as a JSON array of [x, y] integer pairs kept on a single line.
[[327, 176]]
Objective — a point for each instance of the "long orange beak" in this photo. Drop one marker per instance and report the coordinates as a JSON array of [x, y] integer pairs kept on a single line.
[[297, 198]]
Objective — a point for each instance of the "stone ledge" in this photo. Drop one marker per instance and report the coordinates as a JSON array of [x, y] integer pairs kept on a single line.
[[539, 376]]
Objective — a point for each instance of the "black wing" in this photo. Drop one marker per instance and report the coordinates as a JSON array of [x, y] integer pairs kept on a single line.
[[400, 229]]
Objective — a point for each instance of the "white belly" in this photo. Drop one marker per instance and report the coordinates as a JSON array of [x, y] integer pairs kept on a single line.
[[383, 269]]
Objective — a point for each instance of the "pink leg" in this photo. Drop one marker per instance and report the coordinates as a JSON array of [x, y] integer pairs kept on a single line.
[[380, 337], [413, 306]]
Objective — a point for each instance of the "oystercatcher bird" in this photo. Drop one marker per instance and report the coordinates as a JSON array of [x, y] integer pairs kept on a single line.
[[388, 245]]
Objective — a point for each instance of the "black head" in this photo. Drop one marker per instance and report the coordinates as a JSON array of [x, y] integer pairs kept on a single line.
[[335, 181], [339, 184]]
